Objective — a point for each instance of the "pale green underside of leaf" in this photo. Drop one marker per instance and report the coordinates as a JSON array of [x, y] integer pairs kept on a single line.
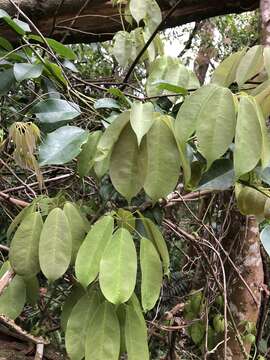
[[13, 298], [225, 73], [55, 245], [141, 118], [216, 127], [151, 268], [250, 65], [103, 335], [125, 167], [77, 227], [78, 324], [111, 135], [23, 254], [90, 252], [135, 336], [118, 268], [163, 163], [248, 138]]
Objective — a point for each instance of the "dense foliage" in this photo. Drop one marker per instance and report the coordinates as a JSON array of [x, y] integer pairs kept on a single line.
[[106, 252]]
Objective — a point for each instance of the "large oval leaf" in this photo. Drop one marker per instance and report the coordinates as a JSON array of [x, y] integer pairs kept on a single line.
[[135, 336], [75, 295], [151, 268], [62, 145], [103, 336], [118, 268], [216, 128], [225, 73], [78, 323], [13, 298], [169, 70], [248, 138], [111, 135], [250, 65], [155, 235], [122, 48], [125, 167], [77, 227], [86, 159], [23, 254], [190, 112], [163, 162], [90, 253], [55, 110], [138, 9], [55, 245], [141, 118]]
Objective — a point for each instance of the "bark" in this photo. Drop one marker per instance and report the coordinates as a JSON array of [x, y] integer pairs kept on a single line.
[[245, 251], [206, 51], [265, 17], [99, 20]]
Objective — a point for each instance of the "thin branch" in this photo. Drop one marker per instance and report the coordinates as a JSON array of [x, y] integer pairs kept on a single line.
[[147, 44]]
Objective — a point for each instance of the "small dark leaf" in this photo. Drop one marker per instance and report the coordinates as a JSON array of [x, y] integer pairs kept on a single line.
[[219, 177]]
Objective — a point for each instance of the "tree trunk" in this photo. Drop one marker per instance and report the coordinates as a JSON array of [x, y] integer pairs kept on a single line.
[[245, 252], [206, 51], [265, 16], [98, 20]]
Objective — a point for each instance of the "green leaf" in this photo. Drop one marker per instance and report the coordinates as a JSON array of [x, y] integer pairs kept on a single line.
[[23, 71], [151, 268], [163, 163], [62, 145], [7, 81], [266, 57], [250, 65], [125, 167], [155, 235], [135, 336], [141, 118], [167, 69], [90, 252], [118, 268], [103, 336], [60, 49], [86, 159], [138, 9], [23, 254], [18, 26], [216, 128], [190, 112], [219, 177], [51, 111], [77, 227], [13, 298], [122, 48], [251, 201], [265, 239], [265, 154], [55, 72], [225, 73], [78, 323], [163, 85], [18, 219], [55, 245], [76, 293], [32, 290], [5, 44], [111, 135], [197, 332], [248, 138], [106, 103]]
